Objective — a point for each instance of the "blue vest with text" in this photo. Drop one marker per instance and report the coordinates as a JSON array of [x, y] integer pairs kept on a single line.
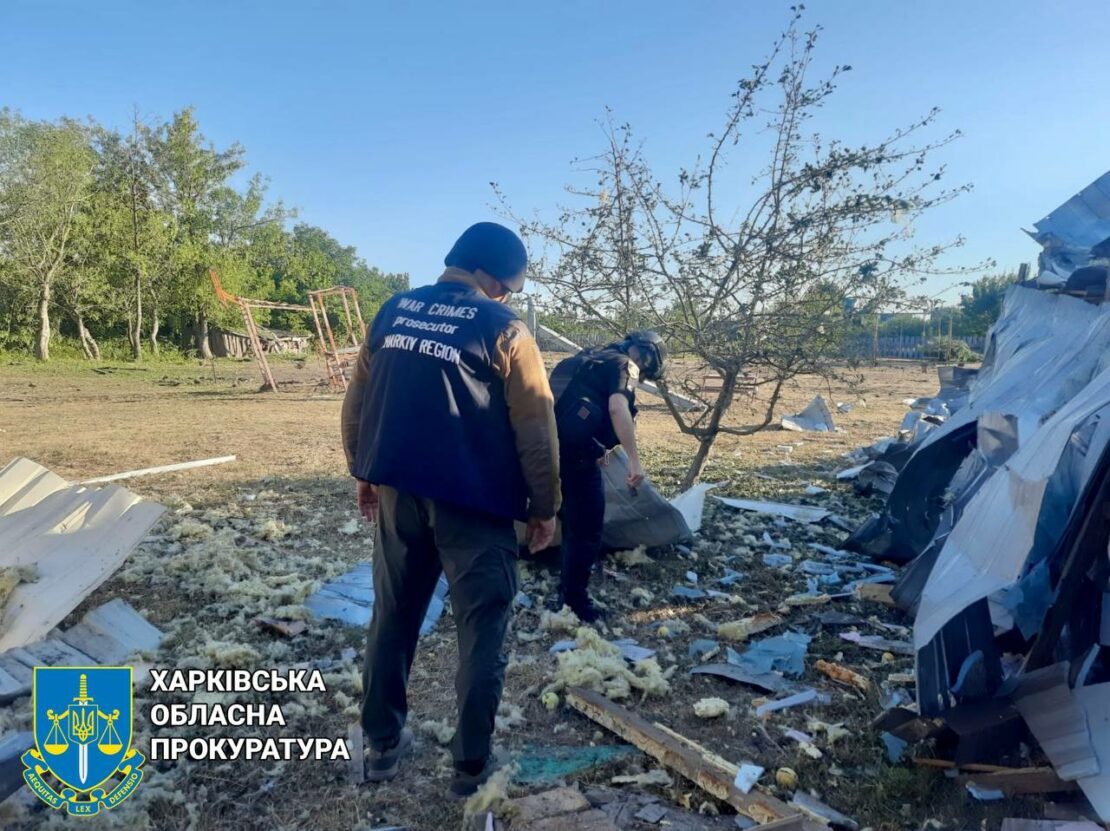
[[434, 418]]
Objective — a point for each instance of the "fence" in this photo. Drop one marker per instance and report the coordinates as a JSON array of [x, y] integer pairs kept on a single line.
[[903, 346]]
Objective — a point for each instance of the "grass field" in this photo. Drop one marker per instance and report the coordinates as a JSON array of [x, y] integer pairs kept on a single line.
[[257, 535]]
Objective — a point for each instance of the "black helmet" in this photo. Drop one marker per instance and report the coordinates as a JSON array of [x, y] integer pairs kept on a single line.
[[653, 350]]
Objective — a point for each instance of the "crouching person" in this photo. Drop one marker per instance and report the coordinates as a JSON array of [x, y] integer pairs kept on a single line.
[[595, 409]]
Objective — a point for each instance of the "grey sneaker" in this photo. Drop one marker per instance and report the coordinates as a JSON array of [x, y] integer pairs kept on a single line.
[[382, 765], [465, 784]]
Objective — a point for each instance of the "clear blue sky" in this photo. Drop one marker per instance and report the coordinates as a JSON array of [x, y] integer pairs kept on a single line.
[[385, 122]]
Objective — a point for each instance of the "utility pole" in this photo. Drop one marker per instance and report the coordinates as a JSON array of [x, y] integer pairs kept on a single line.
[[875, 339]]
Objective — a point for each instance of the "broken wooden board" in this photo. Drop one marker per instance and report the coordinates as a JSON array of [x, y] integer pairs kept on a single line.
[[551, 803], [876, 593], [705, 769], [73, 537], [1020, 781]]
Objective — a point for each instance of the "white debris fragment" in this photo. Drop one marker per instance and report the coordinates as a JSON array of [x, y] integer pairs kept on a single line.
[[711, 708], [747, 776]]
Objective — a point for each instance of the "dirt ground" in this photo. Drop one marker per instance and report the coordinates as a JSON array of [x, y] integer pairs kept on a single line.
[[259, 534]]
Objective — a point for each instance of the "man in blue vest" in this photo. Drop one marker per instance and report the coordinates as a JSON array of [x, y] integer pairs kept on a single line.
[[595, 406], [449, 428]]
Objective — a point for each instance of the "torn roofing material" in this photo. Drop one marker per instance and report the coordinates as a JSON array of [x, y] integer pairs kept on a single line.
[[72, 537], [640, 517], [1022, 510], [815, 418], [349, 599], [800, 513], [1070, 232]]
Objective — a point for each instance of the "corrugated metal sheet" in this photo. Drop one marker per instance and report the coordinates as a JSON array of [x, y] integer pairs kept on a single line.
[[73, 537]]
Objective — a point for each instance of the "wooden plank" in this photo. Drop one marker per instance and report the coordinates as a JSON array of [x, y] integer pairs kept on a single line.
[[148, 471], [1021, 781], [551, 803], [875, 592], [706, 770]]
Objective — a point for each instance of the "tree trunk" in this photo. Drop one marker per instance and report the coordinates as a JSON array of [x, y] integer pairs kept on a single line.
[[88, 343], [200, 335], [137, 333], [42, 342], [708, 435], [698, 462], [155, 324]]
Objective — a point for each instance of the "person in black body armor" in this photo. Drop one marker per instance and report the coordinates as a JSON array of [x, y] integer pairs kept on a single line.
[[595, 410], [449, 430]]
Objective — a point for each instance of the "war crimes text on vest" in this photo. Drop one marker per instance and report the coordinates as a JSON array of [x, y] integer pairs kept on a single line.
[[438, 309]]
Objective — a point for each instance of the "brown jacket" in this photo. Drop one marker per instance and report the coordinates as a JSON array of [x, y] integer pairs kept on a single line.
[[531, 408]]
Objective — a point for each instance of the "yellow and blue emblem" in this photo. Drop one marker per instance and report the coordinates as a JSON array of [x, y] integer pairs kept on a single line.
[[83, 724]]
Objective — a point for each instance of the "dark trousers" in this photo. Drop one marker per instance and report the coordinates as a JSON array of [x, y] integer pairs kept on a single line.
[[418, 538], [583, 516]]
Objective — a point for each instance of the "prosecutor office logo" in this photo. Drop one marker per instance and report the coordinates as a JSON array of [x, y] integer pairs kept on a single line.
[[83, 736]]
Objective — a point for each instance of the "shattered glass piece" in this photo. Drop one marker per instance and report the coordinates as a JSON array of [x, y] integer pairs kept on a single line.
[[730, 577], [777, 560], [815, 807], [691, 577], [523, 600], [984, 794], [814, 567], [700, 647], [747, 776], [687, 593], [804, 697], [768, 682], [879, 643], [784, 653], [772, 543], [895, 747]]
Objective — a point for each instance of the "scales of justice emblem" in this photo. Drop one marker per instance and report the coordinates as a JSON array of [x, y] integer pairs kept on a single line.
[[83, 740]]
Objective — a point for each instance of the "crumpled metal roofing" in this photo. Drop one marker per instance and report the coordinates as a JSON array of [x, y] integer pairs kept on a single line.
[[1070, 231]]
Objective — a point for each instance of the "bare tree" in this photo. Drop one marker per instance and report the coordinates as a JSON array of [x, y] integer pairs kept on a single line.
[[755, 277]]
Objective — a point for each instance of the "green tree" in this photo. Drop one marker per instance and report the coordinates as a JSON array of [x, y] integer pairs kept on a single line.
[[45, 177], [190, 188], [982, 307]]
